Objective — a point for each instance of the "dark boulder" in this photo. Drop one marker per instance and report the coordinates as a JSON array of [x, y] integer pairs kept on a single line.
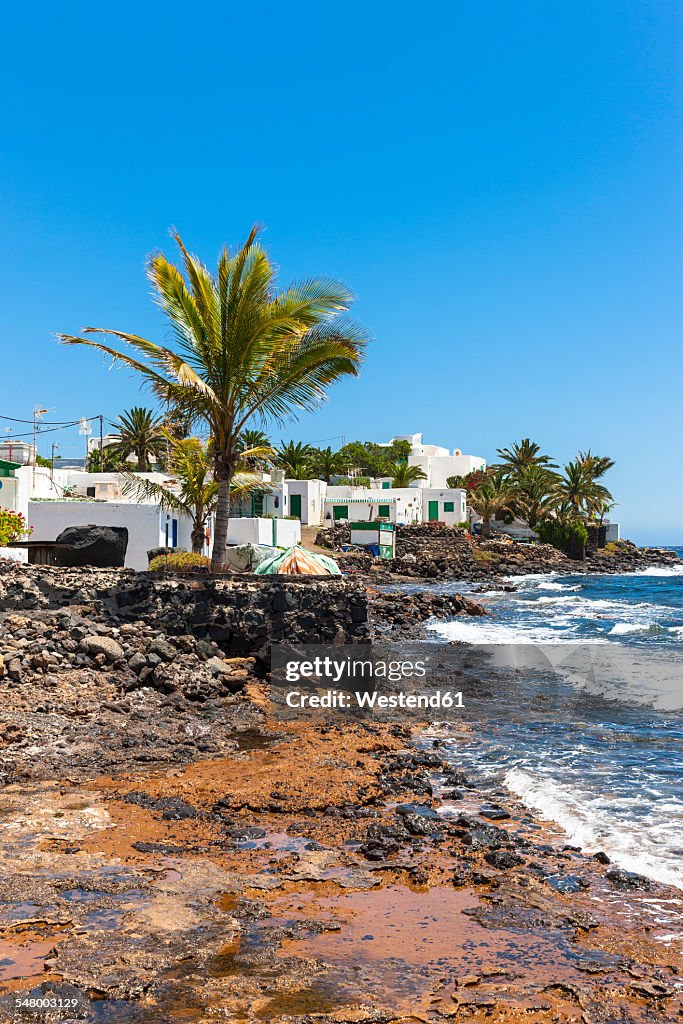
[[100, 546]]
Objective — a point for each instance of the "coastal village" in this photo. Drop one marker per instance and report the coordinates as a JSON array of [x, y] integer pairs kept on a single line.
[[178, 846], [268, 514]]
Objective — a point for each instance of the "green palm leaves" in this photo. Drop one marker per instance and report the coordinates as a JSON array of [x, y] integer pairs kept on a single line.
[[241, 350]]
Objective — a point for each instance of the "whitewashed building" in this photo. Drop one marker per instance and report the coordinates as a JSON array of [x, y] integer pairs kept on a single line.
[[436, 462]]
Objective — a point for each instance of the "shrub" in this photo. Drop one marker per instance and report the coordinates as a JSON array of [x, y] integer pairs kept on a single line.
[[183, 561], [562, 537], [13, 526]]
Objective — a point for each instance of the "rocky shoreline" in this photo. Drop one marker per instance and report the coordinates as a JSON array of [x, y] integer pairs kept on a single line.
[[431, 551], [173, 850]]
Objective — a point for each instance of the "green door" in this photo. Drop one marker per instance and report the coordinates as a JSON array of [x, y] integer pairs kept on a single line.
[[340, 511], [295, 505], [433, 511]]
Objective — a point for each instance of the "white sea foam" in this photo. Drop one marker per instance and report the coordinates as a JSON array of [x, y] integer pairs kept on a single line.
[[633, 628], [660, 570], [640, 845]]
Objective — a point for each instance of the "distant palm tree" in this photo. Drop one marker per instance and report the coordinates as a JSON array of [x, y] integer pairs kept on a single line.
[[535, 494], [580, 489], [257, 444], [192, 491], [326, 463], [493, 495], [242, 350], [403, 475], [141, 434], [295, 459], [520, 455]]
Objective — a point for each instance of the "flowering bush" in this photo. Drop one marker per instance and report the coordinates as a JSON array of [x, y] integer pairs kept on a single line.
[[13, 526]]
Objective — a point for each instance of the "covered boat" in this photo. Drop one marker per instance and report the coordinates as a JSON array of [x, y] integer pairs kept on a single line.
[[296, 561]]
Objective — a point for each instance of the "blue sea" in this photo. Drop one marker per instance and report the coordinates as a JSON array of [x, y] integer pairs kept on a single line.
[[603, 757]]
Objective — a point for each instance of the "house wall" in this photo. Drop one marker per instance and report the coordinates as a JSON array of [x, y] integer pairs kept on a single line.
[[405, 503], [277, 532], [145, 524], [9, 493], [312, 494], [611, 532], [439, 467], [444, 496]]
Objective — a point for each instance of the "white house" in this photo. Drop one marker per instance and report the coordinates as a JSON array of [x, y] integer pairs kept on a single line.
[[436, 462]]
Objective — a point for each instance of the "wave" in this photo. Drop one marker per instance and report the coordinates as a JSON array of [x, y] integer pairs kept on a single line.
[[489, 631], [660, 570], [636, 846], [635, 628]]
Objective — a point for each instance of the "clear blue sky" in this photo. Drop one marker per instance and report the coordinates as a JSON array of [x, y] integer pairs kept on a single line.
[[499, 183]]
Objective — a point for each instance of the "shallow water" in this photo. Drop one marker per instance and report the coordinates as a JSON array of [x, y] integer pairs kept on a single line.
[[607, 765]]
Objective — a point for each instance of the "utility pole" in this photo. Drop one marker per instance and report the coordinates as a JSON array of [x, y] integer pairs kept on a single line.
[[101, 460], [37, 411], [55, 447]]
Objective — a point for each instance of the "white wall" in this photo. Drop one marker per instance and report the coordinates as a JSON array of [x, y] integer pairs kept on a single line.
[[145, 524], [281, 533], [405, 503], [14, 554], [312, 494], [445, 495], [438, 468], [9, 494]]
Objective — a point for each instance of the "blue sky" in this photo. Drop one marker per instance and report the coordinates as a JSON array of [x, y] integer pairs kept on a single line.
[[498, 183]]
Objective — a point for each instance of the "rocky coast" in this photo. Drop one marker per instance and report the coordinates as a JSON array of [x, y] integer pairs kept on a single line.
[[174, 851]]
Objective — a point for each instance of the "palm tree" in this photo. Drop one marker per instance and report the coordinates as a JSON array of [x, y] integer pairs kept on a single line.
[[493, 495], [295, 459], [192, 491], [256, 444], [241, 349], [579, 488], [520, 455], [535, 494], [140, 434], [326, 463], [403, 475]]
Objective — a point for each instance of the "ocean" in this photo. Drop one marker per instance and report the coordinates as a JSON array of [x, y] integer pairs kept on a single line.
[[601, 753]]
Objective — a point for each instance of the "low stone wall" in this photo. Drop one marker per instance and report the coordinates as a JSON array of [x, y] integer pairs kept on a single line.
[[241, 615]]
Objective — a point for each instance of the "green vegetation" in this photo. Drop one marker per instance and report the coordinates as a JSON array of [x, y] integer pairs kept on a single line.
[[140, 434], [182, 561], [241, 350], [193, 492], [403, 475], [558, 505]]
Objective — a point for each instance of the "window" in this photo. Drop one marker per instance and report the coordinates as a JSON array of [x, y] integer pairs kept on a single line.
[[386, 484], [383, 512], [448, 506]]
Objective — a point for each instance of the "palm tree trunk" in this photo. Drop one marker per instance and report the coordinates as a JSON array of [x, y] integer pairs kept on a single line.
[[224, 474], [485, 529], [197, 537]]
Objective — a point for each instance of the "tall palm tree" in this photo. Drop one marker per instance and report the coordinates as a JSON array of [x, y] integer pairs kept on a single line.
[[241, 349], [403, 475], [520, 455], [295, 459], [140, 434], [326, 463], [192, 491], [493, 495]]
